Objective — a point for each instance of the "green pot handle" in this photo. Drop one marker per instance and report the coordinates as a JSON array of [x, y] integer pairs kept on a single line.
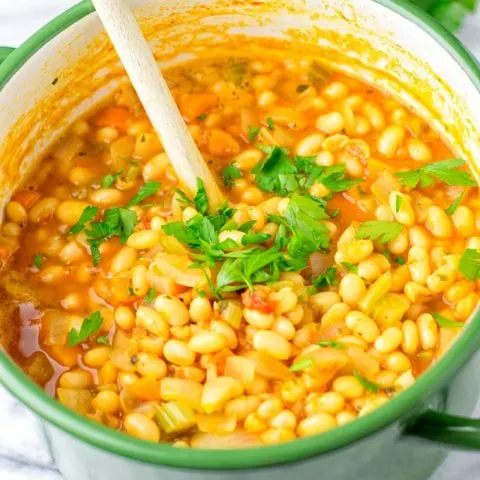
[[5, 52], [459, 432]]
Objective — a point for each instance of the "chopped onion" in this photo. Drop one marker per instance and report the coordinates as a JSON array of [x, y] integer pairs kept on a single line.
[[177, 267], [238, 439], [269, 367]]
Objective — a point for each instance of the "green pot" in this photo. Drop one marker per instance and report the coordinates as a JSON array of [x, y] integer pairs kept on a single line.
[[68, 66]]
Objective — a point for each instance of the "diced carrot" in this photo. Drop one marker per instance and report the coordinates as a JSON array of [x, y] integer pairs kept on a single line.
[[112, 117], [27, 198], [196, 104], [222, 144], [147, 389], [66, 356]]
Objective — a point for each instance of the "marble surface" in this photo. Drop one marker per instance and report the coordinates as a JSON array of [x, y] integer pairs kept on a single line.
[[24, 453]]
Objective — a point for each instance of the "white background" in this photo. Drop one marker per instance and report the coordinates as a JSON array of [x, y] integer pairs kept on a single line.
[[23, 455]]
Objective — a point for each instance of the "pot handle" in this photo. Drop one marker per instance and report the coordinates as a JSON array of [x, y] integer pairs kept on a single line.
[[446, 429], [5, 52]]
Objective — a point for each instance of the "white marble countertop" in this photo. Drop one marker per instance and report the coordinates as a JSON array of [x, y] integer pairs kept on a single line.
[[23, 452]]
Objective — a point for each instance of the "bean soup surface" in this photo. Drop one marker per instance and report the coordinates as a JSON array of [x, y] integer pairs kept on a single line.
[[343, 265]]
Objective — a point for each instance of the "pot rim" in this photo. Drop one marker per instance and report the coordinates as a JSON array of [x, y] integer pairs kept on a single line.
[[398, 409]]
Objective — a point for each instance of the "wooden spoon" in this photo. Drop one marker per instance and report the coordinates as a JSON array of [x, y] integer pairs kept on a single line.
[[153, 91]]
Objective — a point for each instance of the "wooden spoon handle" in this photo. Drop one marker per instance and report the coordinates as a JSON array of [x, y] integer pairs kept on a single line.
[[153, 91]]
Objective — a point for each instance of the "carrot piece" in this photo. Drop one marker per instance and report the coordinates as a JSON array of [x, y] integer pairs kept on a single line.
[[66, 356], [222, 144], [147, 388], [197, 104], [112, 117], [27, 198]]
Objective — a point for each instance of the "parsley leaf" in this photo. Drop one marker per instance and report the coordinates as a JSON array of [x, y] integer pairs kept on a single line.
[[309, 234], [469, 265], [202, 116], [301, 365], [103, 340], [258, 267], [332, 343], [38, 260], [87, 215], [270, 124], [400, 260], [350, 267], [183, 198], [450, 210], [334, 178], [326, 279], [150, 296], [445, 171], [398, 203], [254, 238], [146, 190], [379, 229], [201, 200], [445, 322], [117, 222], [276, 173], [90, 326], [366, 384], [110, 179], [253, 133], [230, 173]]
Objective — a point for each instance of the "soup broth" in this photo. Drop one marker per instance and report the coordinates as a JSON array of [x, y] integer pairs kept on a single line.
[[342, 265]]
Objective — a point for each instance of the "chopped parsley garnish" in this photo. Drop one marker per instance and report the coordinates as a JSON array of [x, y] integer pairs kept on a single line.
[[90, 326], [110, 179], [304, 219], [202, 294], [326, 279], [301, 365], [255, 238], [446, 171], [332, 343], [380, 230], [201, 200], [400, 260], [259, 266], [276, 173], [445, 322], [150, 296], [202, 116], [469, 265], [230, 173], [270, 124], [301, 88], [366, 384], [183, 198], [103, 340], [38, 260], [117, 222], [253, 133], [146, 190], [87, 215], [398, 203], [334, 178], [131, 292], [450, 210], [350, 267], [387, 255]]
